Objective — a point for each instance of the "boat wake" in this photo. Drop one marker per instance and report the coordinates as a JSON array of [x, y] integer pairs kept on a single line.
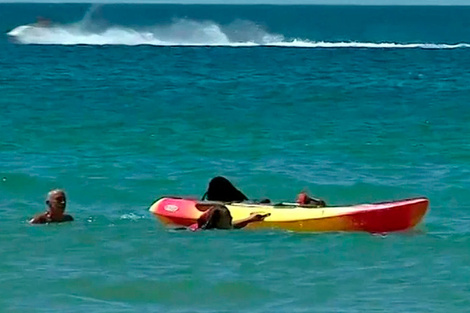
[[186, 32]]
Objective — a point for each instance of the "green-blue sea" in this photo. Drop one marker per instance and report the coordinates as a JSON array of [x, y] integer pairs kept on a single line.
[[122, 104]]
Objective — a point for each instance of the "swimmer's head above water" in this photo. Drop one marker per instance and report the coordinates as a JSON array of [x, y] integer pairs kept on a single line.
[[56, 202]]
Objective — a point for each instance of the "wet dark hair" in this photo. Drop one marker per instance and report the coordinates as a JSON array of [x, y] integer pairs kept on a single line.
[[215, 218], [221, 189]]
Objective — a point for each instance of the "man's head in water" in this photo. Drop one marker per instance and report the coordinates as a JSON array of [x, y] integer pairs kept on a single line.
[[216, 217], [56, 202], [219, 217]]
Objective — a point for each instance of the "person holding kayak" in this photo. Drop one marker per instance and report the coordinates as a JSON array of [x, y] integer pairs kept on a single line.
[[219, 217], [304, 199], [56, 202], [221, 189]]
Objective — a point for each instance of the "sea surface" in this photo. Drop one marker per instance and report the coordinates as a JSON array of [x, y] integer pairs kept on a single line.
[[122, 104]]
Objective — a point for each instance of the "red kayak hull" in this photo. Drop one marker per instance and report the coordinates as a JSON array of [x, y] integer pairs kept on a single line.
[[374, 218]]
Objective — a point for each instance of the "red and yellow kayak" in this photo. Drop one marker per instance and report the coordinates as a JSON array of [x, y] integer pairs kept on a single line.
[[374, 218]]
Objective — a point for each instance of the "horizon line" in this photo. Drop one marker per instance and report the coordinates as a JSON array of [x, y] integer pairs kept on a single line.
[[228, 3]]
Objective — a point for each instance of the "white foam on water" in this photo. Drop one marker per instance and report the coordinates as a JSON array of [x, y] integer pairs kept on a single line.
[[186, 32]]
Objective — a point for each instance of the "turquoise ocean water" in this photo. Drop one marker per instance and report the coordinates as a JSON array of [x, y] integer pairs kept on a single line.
[[121, 104]]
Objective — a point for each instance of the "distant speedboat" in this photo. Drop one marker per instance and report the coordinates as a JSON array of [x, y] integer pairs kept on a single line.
[[18, 31], [30, 29], [15, 34]]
